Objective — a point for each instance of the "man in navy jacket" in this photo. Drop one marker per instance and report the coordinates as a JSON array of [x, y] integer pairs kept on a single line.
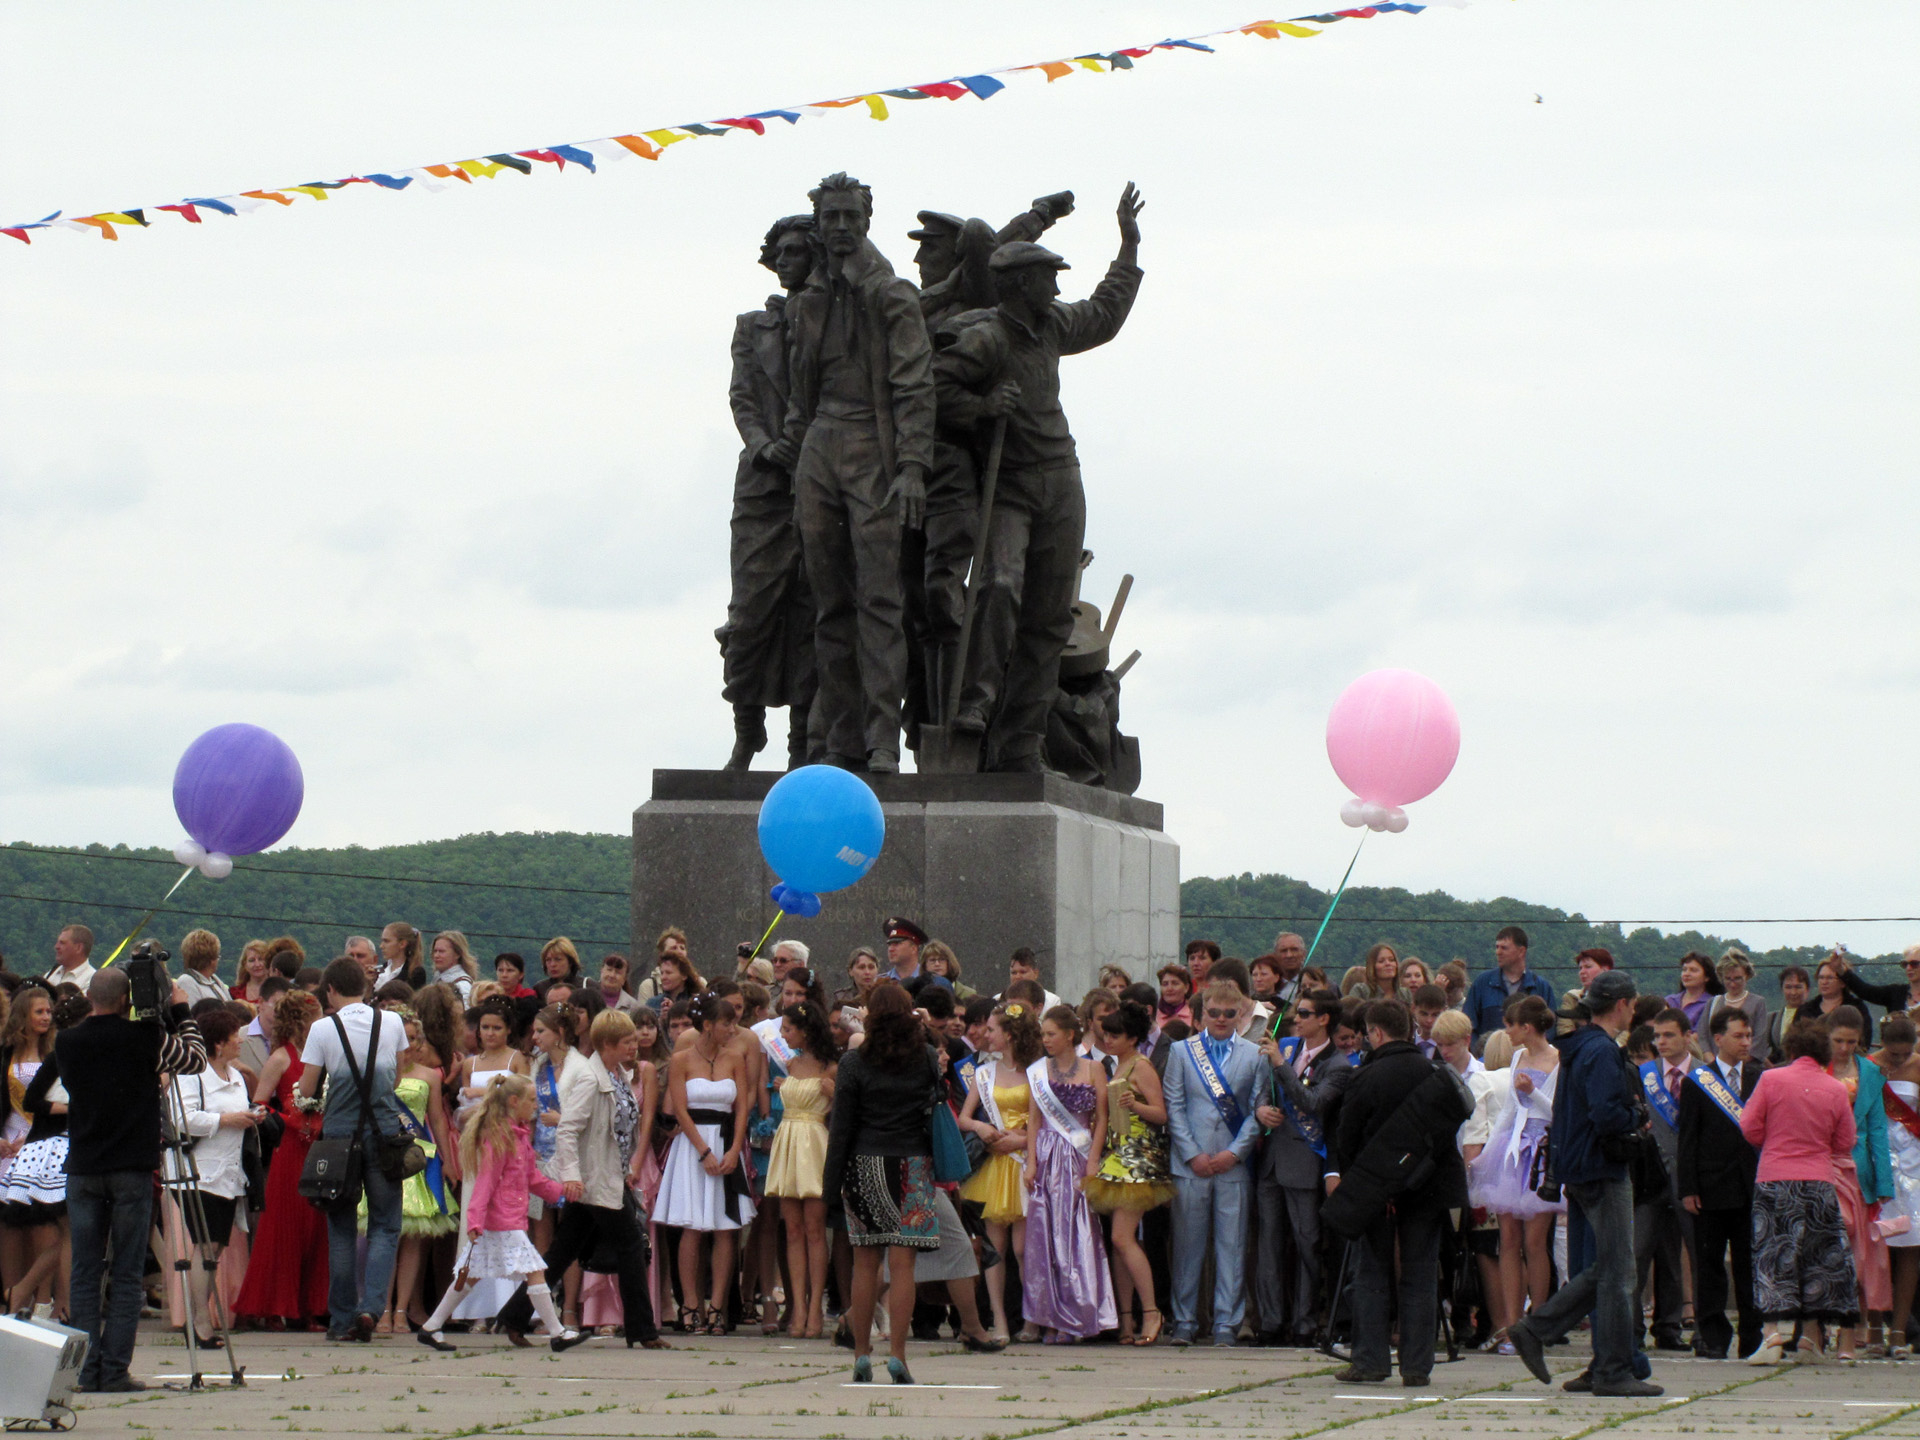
[[1596, 1111], [1487, 997]]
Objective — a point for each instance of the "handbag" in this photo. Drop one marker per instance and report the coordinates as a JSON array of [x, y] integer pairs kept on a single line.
[[951, 1163], [334, 1173]]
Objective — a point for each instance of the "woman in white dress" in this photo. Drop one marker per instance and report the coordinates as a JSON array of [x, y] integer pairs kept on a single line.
[[1900, 1216], [703, 1188]]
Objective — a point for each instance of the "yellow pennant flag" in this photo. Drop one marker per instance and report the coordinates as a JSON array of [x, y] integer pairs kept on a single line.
[[876, 106], [314, 190], [664, 138], [485, 169], [1089, 63], [1274, 29]]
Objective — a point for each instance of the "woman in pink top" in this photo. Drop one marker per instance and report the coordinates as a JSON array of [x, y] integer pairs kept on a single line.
[[1801, 1121]]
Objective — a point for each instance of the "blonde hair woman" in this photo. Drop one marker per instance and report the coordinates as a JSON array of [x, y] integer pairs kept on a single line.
[[453, 963], [1375, 978]]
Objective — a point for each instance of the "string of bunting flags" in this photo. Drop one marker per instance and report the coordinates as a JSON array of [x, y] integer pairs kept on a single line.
[[589, 155]]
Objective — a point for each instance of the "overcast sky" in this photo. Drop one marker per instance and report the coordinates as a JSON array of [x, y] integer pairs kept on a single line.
[[1598, 410]]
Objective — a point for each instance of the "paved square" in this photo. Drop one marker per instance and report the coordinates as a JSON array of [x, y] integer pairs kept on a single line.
[[736, 1387]]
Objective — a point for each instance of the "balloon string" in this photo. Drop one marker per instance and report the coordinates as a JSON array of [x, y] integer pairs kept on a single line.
[[763, 938], [142, 924], [1334, 903]]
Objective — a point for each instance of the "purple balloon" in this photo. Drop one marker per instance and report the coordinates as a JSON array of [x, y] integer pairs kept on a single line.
[[238, 789]]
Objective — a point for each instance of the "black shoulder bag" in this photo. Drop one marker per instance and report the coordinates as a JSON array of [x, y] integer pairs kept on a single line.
[[335, 1171]]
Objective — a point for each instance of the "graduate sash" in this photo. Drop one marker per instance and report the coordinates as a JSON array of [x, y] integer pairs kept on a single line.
[[1899, 1110], [1051, 1106], [1214, 1084], [1306, 1126], [983, 1074], [778, 1051], [1658, 1095], [965, 1069], [1717, 1090]]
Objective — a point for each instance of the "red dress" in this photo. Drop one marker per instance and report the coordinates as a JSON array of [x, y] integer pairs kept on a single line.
[[287, 1274]]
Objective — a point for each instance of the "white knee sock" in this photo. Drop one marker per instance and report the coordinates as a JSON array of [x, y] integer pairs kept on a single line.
[[542, 1297], [443, 1312]]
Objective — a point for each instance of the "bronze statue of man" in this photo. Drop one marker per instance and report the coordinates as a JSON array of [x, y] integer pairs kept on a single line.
[[1008, 363], [860, 416], [767, 643], [952, 258]]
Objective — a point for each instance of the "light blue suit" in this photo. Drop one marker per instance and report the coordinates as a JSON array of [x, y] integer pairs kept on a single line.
[[1222, 1201]]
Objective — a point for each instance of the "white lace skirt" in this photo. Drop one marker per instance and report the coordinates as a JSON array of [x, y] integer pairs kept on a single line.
[[498, 1255]]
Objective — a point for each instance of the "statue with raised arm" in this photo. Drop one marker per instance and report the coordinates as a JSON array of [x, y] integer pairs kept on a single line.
[[860, 420], [766, 646], [1007, 363], [952, 258]]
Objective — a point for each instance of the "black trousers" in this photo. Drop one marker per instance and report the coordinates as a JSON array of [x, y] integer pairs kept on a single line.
[[1417, 1230], [1715, 1232], [582, 1231]]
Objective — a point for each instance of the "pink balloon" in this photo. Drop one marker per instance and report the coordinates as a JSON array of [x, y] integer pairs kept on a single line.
[[1393, 737]]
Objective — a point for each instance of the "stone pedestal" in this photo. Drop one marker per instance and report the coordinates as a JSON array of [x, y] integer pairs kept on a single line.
[[986, 863]]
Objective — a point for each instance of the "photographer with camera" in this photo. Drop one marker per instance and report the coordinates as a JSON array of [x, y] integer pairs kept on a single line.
[[108, 1062], [1598, 1120], [348, 1046]]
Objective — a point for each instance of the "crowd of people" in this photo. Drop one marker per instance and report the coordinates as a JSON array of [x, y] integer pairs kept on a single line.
[[1222, 1151]]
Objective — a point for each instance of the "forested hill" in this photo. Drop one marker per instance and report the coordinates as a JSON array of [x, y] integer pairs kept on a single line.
[[512, 892]]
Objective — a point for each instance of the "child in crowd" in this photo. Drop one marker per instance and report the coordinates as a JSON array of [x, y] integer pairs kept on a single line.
[[497, 1150]]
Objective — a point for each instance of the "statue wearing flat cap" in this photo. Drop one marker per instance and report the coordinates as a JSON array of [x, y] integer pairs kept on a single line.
[[952, 258], [1007, 363]]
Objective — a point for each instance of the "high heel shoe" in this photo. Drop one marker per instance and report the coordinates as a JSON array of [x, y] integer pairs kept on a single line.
[[680, 1322], [988, 1346], [385, 1327], [1772, 1351], [897, 1368], [862, 1370], [1150, 1322]]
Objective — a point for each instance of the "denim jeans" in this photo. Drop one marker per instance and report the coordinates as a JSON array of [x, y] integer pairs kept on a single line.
[[346, 1297], [1605, 1287], [1416, 1232], [113, 1209]]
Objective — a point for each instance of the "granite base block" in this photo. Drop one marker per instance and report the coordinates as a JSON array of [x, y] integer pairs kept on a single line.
[[987, 863]]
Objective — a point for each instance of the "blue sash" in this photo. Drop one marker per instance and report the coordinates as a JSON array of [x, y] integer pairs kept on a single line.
[[1305, 1125], [1224, 1100], [1715, 1089], [965, 1068], [435, 1173], [1657, 1094]]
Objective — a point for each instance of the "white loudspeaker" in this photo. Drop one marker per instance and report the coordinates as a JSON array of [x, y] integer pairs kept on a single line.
[[39, 1365]]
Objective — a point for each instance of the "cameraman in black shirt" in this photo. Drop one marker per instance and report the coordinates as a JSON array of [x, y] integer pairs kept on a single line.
[[111, 1066]]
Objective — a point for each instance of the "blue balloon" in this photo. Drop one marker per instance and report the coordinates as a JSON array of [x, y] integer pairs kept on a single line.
[[821, 829], [805, 903], [238, 789]]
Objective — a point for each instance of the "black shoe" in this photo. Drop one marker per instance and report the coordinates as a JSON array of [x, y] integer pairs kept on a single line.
[[1670, 1340], [1354, 1375], [1416, 1382], [1270, 1339], [988, 1346], [567, 1339], [125, 1385], [923, 1331], [1581, 1384], [1531, 1352], [433, 1341], [1632, 1390], [362, 1329], [843, 1335], [1700, 1352]]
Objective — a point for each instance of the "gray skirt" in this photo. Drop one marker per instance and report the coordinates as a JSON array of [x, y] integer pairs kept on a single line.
[[954, 1259]]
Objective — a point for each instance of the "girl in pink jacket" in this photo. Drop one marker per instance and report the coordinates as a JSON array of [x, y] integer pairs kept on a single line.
[[495, 1149]]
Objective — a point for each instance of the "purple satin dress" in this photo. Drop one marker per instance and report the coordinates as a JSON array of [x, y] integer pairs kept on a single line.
[[1064, 1281]]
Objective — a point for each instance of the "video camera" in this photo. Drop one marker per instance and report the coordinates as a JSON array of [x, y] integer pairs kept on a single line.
[[151, 986]]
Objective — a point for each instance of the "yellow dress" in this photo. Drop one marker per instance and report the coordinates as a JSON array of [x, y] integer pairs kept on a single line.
[[999, 1186], [797, 1163], [1134, 1174]]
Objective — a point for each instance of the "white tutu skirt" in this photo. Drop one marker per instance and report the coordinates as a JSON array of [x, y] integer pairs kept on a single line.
[[689, 1196], [35, 1190], [498, 1255], [1500, 1177]]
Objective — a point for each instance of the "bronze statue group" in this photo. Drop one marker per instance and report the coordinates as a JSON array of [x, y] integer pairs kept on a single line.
[[908, 512]]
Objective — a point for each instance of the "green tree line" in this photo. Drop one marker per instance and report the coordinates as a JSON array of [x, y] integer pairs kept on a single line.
[[514, 891], [1437, 928]]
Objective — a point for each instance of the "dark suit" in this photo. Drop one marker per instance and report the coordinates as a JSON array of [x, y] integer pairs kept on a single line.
[[1717, 1164], [1289, 1180], [1663, 1233]]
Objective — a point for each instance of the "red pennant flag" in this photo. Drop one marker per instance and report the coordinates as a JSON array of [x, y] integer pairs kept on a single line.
[[756, 126], [193, 215]]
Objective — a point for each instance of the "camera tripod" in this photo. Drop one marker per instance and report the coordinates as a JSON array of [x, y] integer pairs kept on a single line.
[[180, 1180]]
